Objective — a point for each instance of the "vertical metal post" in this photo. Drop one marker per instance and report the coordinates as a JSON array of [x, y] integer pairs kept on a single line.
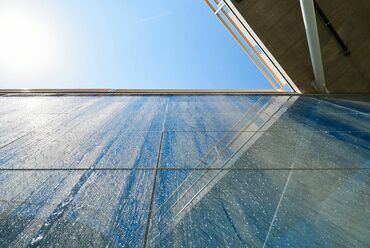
[[309, 19]]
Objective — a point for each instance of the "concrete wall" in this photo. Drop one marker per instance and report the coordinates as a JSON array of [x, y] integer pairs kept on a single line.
[[279, 25]]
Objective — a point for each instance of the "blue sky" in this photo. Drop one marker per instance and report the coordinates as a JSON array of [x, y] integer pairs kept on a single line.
[[121, 44]]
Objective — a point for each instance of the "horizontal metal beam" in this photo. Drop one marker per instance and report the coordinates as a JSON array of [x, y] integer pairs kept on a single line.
[[140, 91]]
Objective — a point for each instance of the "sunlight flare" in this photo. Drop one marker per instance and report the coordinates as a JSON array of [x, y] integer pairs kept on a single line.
[[28, 44]]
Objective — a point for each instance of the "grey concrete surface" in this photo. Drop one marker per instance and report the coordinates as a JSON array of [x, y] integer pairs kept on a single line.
[[279, 25]]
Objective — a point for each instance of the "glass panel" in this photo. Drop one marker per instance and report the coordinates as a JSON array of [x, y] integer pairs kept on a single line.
[[265, 150], [221, 113], [283, 133], [215, 208], [323, 208], [69, 209], [70, 141], [261, 208], [305, 150], [319, 114], [272, 178], [22, 115], [27, 199], [114, 150], [132, 150], [189, 149]]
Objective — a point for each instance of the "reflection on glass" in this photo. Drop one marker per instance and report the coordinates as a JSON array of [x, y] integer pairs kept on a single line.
[[262, 208], [70, 209], [180, 171]]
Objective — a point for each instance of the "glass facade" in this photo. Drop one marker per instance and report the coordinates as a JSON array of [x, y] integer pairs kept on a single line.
[[185, 171]]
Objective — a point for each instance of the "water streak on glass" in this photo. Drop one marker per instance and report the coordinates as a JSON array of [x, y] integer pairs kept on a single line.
[[184, 171]]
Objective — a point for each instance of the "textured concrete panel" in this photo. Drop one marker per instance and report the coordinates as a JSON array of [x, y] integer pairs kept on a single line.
[[279, 25]]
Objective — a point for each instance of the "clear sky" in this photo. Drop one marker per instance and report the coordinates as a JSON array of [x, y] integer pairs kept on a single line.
[[158, 44]]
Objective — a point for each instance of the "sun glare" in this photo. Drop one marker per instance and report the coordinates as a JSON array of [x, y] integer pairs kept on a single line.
[[27, 44]]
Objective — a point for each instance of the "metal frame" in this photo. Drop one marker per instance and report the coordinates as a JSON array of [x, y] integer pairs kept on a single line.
[[231, 18], [123, 92], [139, 92]]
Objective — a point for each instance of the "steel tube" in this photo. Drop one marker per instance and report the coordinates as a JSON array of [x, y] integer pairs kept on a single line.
[[309, 19]]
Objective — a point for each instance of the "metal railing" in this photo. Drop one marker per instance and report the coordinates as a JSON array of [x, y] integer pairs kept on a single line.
[[252, 45]]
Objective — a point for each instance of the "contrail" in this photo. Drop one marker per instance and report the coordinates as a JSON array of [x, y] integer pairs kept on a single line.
[[154, 17]]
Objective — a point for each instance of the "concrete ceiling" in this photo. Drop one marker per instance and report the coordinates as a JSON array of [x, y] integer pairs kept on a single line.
[[279, 25]]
